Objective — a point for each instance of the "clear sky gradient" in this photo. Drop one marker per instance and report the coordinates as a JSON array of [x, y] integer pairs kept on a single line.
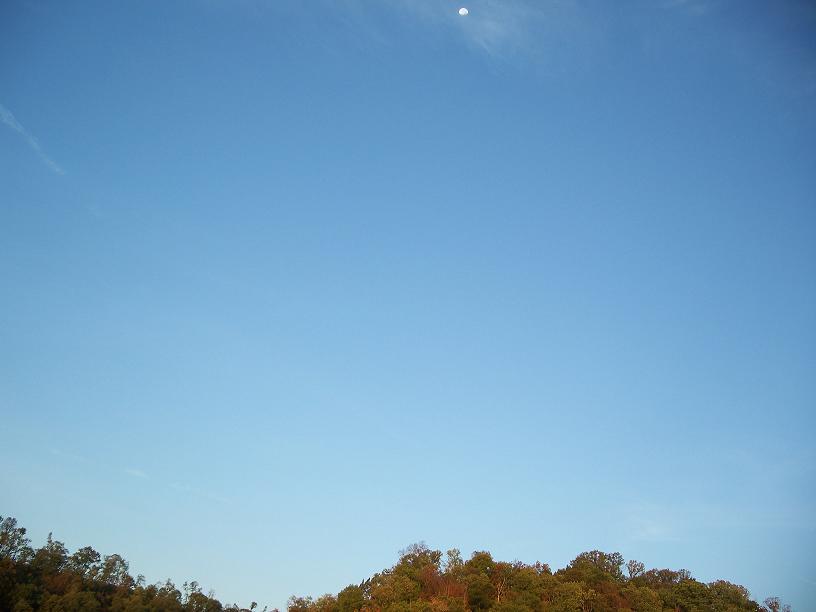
[[288, 285]]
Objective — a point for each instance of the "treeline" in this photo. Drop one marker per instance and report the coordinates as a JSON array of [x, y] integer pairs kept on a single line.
[[50, 579], [422, 581]]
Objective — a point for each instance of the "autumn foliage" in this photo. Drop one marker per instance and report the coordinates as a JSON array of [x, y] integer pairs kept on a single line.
[[422, 581], [50, 579]]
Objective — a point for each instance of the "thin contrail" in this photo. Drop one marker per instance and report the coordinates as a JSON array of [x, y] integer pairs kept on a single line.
[[8, 118]]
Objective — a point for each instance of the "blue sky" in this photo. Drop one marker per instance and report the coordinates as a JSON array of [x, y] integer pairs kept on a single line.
[[288, 285]]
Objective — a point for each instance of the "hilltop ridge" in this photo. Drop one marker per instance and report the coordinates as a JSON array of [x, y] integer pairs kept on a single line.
[[51, 579]]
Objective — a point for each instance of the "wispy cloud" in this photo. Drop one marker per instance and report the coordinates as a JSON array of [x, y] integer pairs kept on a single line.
[[70, 456], [157, 481], [10, 120], [500, 27], [196, 492], [136, 473]]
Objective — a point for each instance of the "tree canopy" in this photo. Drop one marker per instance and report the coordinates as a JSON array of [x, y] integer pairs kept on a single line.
[[595, 581], [51, 579]]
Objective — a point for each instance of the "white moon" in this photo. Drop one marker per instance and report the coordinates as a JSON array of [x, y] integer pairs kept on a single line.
[[463, 11]]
